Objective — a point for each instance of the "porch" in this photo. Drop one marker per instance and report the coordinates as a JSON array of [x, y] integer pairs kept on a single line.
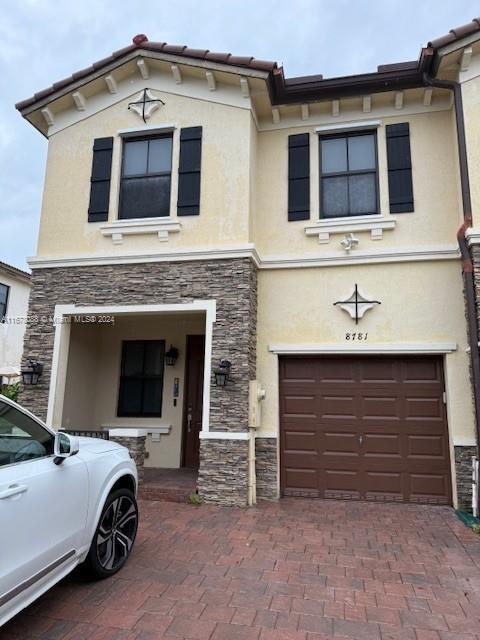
[[117, 374]]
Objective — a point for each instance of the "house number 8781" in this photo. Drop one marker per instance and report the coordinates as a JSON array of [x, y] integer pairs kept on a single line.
[[356, 336]]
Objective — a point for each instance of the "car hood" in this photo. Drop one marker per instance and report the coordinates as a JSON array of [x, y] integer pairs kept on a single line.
[[97, 445]]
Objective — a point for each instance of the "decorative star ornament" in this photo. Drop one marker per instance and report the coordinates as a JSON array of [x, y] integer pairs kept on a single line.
[[145, 104], [356, 305], [349, 242]]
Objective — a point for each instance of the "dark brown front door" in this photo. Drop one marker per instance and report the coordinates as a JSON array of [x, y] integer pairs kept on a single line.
[[364, 428], [193, 404]]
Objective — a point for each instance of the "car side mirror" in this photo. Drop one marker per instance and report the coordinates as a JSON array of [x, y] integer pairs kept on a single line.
[[64, 446]]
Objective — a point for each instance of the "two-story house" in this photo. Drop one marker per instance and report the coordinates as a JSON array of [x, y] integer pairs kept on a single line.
[[200, 208]]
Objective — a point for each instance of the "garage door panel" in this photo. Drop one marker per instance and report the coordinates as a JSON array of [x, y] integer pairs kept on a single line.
[[421, 370], [382, 445], [300, 441], [424, 408], [363, 427], [384, 485], [376, 406], [333, 370], [428, 488], [343, 406], [299, 370], [341, 444], [378, 370], [297, 405], [342, 481], [427, 446], [301, 479]]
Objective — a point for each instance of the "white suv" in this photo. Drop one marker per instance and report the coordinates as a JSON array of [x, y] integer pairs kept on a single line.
[[63, 501]]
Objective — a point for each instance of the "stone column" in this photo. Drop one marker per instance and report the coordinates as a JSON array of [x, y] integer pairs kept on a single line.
[[134, 440], [266, 466], [223, 472]]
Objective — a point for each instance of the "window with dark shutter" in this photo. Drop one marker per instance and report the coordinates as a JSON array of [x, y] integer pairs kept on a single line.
[[299, 177], [146, 177], [399, 161], [100, 180], [189, 171], [141, 378]]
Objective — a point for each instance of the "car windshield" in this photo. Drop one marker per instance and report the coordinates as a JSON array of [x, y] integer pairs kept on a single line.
[[21, 438]]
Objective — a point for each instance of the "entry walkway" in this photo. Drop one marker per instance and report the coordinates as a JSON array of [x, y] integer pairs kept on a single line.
[[293, 570]]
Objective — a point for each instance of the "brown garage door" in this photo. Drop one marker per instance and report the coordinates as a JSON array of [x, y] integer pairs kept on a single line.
[[364, 428]]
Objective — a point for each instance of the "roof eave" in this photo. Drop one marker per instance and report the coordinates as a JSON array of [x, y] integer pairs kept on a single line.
[[28, 106]]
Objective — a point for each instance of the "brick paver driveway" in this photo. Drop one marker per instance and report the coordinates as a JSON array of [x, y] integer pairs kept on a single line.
[[299, 569]]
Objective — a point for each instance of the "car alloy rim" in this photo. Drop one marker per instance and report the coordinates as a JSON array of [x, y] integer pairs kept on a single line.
[[116, 533]]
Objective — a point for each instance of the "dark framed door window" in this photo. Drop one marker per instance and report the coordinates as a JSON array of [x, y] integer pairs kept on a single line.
[[141, 378], [4, 291], [348, 175], [146, 177]]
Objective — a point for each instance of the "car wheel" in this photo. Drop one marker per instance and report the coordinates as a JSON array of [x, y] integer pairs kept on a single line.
[[114, 537]]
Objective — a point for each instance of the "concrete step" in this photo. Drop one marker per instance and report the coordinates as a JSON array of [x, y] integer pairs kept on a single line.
[[167, 494]]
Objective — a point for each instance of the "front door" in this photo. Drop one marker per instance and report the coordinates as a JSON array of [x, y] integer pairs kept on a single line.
[[193, 404]]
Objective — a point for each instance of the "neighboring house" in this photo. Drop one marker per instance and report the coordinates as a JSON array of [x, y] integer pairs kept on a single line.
[[14, 293], [304, 229]]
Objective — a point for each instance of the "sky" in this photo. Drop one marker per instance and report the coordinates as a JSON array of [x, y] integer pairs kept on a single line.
[[42, 41]]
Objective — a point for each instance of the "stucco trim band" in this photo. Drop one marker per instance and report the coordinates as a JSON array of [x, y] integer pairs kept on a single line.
[[337, 259]]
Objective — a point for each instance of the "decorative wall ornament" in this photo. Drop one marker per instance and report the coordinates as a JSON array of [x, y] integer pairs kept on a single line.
[[349, 242], [145, 104], [356, 305]]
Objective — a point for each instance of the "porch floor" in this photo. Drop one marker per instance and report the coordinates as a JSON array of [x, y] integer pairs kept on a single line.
[[172, 485]]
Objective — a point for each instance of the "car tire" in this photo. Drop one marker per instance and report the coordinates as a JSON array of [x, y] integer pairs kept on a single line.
[[114, 536]]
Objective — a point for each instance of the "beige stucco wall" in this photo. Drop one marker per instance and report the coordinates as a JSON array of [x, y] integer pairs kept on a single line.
[[93, 376], [225, 185], [421, 304], [434, 171], [12, 331]]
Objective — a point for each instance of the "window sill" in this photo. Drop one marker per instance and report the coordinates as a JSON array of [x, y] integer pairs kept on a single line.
[[331, 226], [161, 227]]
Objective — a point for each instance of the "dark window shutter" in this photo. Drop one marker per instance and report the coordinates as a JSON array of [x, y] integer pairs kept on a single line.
[[189, 171], [299, 177], [100, 180], [399, 168]]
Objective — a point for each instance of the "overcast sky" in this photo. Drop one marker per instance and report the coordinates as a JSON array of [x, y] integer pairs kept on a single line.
[[42, 41]]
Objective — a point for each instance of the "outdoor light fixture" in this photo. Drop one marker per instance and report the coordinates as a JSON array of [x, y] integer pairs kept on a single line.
[[222, 373], [31, 373], [171, 356]]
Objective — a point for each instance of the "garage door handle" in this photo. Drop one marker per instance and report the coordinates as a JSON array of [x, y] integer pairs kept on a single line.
[[14, 490], [360, 439]]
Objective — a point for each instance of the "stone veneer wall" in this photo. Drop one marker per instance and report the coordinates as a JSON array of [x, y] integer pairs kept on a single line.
[[463, 468], [136, 447], [266, 466], [232, 283], [223, 473]]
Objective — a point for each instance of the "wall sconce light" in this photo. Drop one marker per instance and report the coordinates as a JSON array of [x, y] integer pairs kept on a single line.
[[31, 373], [171, 356], [222, 373]]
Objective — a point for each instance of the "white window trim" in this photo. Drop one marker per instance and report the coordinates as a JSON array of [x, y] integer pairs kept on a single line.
[[147, 130], [349, 126], [116, 185], [376, 224], [161, 227]]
